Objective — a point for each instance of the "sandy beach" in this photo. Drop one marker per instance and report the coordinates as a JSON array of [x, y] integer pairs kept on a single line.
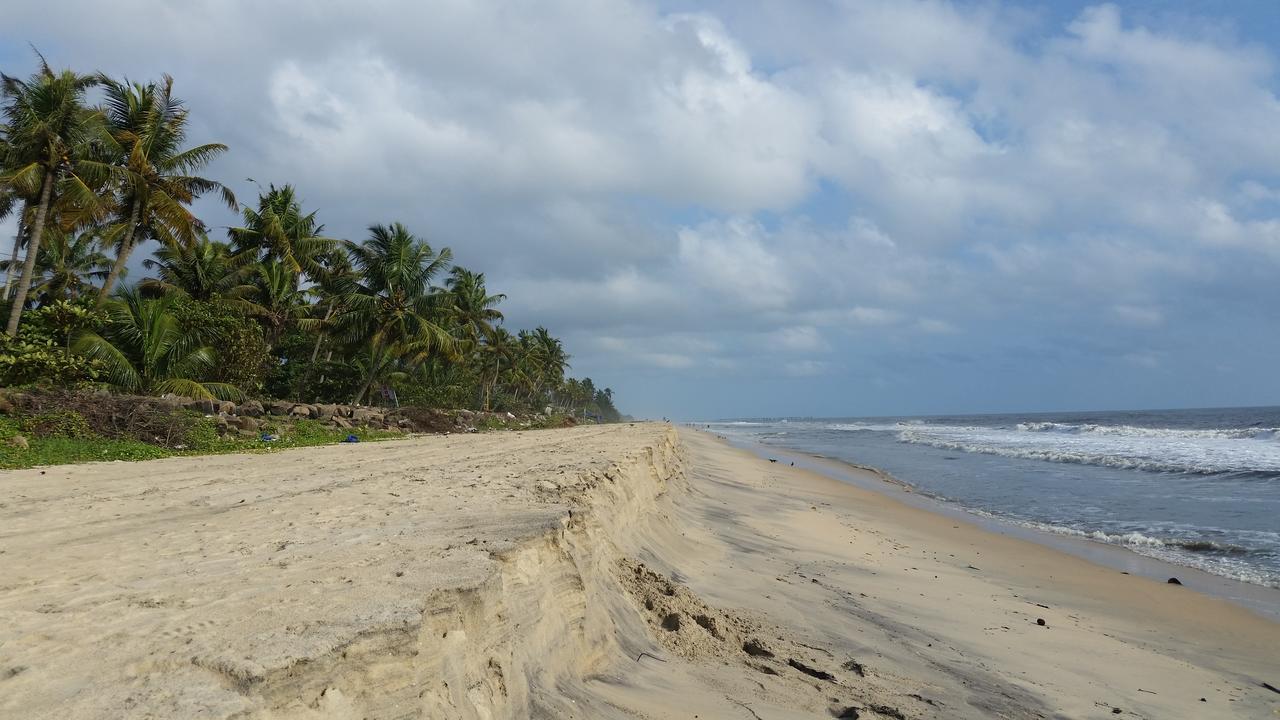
[[617, 571]]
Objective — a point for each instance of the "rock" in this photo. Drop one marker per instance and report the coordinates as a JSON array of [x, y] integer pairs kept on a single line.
[[6, 407], [18, 441], [280, 407], [546, 486], [246, 423], [341, 422], [364, 416], [1174, 581], [168, 403], [811, 671], [343, 411], [326, 411], [404, 423], [302, 411], [226, 407], [1041, 622], [252, 408], [201, 406]]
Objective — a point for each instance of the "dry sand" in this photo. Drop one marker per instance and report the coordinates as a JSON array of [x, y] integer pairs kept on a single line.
[[615, 572]]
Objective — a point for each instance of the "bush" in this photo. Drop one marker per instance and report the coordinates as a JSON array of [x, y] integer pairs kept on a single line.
[[57, 424], [41, 353], [244, 357]]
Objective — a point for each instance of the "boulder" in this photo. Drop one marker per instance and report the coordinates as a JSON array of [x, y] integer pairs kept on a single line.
[[245, 423], [364, 416], [342, 422], [302, 411], [326, 411], [280, 407], [168, 403], [201, 406], [226, 407], [252, 408]]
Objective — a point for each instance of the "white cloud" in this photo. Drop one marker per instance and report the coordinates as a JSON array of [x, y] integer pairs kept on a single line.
[[802, 338], [704, 190], [1138, 316], [806, 368]]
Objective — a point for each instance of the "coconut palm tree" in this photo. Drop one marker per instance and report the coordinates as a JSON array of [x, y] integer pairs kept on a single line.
[[204, 270], [68, 265], [279, 230], [145, 350], [473, 309], [499, 346], [394, 305], [148, 126], [551, 357], [333, 281], [49, 153], [277, 301]]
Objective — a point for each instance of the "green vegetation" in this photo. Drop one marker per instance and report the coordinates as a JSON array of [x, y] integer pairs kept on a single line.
[[96, 169], [61, 437]]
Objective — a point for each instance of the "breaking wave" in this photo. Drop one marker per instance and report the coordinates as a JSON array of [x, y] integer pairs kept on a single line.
[[1248, 451]]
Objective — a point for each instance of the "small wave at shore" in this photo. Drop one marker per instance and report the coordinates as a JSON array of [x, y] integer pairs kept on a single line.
[[1215, 558]]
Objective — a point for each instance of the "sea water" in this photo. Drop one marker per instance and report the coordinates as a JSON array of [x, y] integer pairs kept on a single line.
[[1199, 488]]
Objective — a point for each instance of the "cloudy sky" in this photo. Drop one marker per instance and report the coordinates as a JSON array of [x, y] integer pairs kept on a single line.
[[735, 208]]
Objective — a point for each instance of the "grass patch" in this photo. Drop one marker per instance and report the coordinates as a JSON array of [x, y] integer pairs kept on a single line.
[[56, 438]]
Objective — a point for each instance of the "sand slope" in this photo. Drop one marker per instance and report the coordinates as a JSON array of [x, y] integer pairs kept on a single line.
[[621, 571]]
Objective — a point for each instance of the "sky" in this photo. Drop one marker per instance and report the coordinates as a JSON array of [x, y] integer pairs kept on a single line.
[[747, 209]]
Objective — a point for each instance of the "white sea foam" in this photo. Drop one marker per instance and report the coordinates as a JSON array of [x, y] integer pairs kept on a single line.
[[1252, 433], [1212, 557], [1228, 450]]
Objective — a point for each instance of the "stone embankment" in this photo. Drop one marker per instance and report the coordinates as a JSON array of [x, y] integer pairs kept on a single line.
[[154, 418], [251, 415]]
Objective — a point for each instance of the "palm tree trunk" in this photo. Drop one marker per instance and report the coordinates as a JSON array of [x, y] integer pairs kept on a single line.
[[488, 395], [33, 248], [364, 389], [315, 351], [126, 247]]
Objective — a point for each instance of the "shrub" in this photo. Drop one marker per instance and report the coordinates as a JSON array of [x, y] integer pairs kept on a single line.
[[41, 353], [57, 424]]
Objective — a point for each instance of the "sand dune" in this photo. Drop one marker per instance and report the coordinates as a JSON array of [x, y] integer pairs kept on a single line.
[[619, 571]]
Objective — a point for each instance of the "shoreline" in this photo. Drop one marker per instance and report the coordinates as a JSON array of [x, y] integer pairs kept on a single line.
[[1152, 645], [1260, 599]]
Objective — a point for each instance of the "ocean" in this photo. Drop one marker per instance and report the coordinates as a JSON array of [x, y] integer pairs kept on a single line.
[[1198, 488]]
